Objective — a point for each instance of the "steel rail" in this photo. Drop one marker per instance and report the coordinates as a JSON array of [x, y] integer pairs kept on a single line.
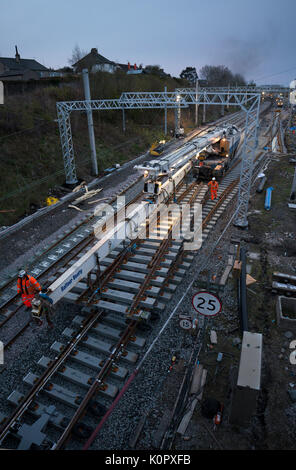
[[98, 382], [127, 334], [170, 433], [56, 364], [56, 243], [69, 256], [45, 377]]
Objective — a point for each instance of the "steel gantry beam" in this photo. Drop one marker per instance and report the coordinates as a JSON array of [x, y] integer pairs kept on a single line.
[[161, 100], [244, 89]]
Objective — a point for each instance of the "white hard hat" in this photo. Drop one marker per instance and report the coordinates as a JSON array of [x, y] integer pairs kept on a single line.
[[213, 179], [22, 273]]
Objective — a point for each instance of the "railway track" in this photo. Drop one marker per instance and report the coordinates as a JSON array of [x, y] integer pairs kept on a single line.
[[55, 259], [121, 337], [95, 357], [101, 349]]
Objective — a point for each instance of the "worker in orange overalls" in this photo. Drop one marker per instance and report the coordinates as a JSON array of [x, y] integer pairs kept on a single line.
[[135, 67], [128, 66], [213, 185], [27, 286]]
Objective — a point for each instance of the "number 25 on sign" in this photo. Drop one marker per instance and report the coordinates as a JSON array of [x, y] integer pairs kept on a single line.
[[206, 304]]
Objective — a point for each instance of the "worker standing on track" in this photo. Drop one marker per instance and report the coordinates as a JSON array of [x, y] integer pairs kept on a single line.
[[213, 185], [27, 286], [42, 307]]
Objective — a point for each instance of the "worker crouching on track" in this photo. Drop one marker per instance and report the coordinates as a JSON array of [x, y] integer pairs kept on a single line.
[[42, 306], [27, 286], [213, 185]]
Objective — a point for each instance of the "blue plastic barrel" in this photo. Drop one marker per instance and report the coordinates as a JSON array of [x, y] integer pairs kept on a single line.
[[268, 198]]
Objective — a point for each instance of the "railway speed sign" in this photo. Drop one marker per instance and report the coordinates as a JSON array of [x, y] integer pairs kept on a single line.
[[206, 304], [185, 323]]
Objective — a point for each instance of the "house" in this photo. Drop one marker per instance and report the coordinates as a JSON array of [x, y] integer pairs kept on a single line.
[[95, 62], [21, 69]]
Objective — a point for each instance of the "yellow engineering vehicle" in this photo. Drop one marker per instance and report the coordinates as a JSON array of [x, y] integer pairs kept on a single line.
[[157, 148]]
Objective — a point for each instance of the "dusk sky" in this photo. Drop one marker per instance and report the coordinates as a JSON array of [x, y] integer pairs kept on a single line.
[[253, 37]]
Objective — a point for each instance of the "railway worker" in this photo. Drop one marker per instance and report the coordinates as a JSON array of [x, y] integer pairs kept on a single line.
[[213, 185], [42, 306], [27, 286]]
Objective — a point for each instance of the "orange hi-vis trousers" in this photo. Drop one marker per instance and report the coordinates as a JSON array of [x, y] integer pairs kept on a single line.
[[213, 185], [214, 194]]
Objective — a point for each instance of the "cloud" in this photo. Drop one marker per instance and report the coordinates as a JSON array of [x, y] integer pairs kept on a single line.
[[246, 55]]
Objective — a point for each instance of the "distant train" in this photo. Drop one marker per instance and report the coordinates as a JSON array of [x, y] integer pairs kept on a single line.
[[214, 160]]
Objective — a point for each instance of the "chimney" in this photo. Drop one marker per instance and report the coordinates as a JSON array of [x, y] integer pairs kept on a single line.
[[17, 56], [94, 50]]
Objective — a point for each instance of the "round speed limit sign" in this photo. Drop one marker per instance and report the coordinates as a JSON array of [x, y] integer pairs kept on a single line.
[[185, 323], [206, 304]]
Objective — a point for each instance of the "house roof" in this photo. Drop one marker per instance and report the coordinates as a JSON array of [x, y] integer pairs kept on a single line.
[[123, 66], [23, 64], [99, 59], [12, 74]]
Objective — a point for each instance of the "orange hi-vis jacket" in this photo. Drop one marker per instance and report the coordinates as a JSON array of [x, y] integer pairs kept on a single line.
[[27, 287], [213, 185]]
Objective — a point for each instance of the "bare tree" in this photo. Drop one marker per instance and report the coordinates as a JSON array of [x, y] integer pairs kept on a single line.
[[77, 54], [220, 75]]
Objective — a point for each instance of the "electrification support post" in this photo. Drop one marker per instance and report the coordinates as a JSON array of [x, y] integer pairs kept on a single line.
[[222, 110], [248, 157], [67, 144], [90, 122], [165, 115], [196, 104], [123, 119], [204, 114], [177, 115]]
